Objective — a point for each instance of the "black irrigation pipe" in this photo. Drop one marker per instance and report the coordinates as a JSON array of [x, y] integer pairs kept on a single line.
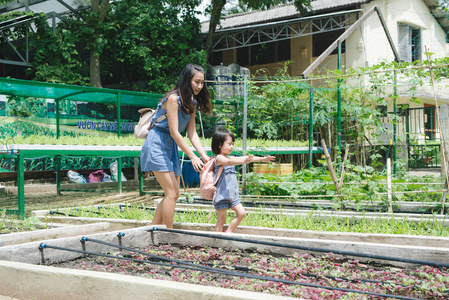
[[86, 239], [336, 278], [52, 212], [42, 246], [412, 261]]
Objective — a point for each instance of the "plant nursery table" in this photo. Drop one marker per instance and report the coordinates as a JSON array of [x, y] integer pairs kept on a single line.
[[21, 152]]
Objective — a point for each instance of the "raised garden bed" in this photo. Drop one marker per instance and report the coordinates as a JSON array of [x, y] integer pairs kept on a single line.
[[303, 269]]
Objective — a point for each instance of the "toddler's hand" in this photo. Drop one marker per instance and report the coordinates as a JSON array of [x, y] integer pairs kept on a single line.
[[269, 158]]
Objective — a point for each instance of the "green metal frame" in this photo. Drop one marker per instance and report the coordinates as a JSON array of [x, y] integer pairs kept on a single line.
[[60, 92], [22, 152]]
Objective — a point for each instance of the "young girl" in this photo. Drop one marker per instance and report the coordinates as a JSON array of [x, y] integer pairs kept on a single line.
[[227, 189], [160, 149]]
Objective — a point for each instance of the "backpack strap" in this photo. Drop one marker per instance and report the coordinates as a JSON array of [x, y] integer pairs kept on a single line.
[[219, 174], [163, 117]]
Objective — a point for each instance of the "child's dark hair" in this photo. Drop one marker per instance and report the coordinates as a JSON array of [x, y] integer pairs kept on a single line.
[[219, 137]]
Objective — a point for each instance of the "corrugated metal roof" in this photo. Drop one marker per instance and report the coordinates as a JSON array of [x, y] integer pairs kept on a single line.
[[280, 12]]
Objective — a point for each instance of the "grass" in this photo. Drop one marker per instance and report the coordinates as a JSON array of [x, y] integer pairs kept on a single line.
[[130, 140], [10, 224], [429, 226]]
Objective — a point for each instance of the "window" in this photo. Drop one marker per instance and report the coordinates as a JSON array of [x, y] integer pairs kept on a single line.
[[402, 110], [264, 53], [382, 109], [409, 42], [322, 41], [216, 58], [243, 56]]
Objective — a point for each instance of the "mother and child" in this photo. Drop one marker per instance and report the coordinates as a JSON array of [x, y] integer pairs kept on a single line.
[[160, 150]]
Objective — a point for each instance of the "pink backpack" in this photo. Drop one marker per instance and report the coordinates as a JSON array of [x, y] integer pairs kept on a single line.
[[207, 183]]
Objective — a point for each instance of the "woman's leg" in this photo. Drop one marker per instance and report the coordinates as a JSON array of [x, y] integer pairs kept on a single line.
[[240, 214], [221, 219], [166, 208]]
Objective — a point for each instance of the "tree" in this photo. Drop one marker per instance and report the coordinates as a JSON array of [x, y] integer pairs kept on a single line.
[[216, 10], [444, 4], [99, 11], [151, 41], [140, 45]]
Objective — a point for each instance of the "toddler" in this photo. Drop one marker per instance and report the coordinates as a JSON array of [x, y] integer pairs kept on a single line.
[[227, 189]]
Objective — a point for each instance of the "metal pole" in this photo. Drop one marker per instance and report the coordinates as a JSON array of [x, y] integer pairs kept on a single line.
[[57, 118], [21, 185], [407, 129], [119, 175], [58, 174], [395, 124], [339, 108], [118, 115], [245, 127], [141, 193], [310, 127], [237, 119]]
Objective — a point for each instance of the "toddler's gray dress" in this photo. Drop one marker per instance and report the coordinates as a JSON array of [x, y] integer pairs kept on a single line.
[[227, 187]]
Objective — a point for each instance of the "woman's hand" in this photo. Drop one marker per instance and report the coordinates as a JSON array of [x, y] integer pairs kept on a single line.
[[197, 164], [205, 158]]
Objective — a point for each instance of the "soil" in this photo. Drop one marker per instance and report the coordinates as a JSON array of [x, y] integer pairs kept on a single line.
[[423, 282], [50, 200]]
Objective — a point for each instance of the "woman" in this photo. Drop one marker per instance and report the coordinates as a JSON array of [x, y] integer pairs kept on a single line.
[[160, 149]]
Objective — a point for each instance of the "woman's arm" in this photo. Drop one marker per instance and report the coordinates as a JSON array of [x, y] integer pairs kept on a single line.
[[239, 160], [171, 106], [194, 138]]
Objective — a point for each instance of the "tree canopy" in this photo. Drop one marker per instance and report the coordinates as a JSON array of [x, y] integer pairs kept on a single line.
[[143, 45]]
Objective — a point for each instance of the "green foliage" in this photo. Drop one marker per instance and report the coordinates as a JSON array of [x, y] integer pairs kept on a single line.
[[9, 223], [139, 42], [428, 226], [56, 58], [361, 185], [142, 44], [284, 108]]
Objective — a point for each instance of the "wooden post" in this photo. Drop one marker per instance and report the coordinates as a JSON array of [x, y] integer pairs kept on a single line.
[[444, 137], [342, 176], [330, 167], [390, 202]]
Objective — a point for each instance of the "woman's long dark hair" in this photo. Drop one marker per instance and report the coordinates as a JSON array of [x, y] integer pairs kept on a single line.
[[184, 89]]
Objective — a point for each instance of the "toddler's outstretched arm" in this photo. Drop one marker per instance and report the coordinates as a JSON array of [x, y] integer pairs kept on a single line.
[[239, 160], [267, 158]]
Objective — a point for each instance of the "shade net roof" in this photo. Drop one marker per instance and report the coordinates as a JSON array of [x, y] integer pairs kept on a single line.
[[27, 88]]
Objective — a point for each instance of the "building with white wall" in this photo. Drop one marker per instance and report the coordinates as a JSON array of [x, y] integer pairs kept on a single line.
[[267, 39]]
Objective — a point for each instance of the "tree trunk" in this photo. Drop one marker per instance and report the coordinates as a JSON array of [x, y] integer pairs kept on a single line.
[[95, 79], [94, 69], [217, 8]]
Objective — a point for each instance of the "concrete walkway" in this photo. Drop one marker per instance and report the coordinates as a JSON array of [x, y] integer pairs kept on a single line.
[[424, 171]]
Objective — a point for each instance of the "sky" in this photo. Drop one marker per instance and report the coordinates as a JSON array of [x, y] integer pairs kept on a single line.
[[205, 3]]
